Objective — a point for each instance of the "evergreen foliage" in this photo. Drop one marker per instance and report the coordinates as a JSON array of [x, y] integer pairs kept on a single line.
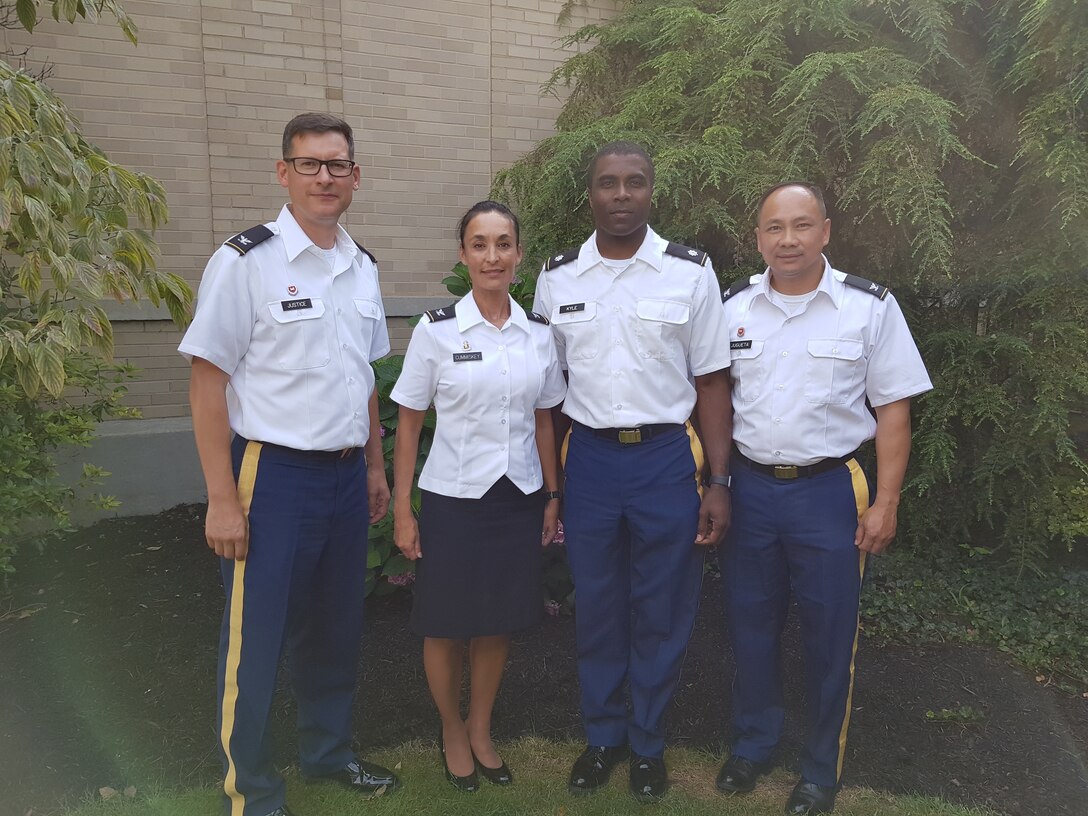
[[950, 137], [74, 229]]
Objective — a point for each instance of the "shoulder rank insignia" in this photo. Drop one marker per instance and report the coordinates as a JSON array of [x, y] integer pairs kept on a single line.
[[363, 250], [444, 313], [243, 242], [687, 253], [566, 256], [737, 287], [536, 318], [874, 289]]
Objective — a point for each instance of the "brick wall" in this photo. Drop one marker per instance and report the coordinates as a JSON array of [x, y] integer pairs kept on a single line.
[[441, 94]]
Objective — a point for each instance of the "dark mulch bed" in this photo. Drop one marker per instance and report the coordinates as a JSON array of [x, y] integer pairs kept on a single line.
[[107, 655]]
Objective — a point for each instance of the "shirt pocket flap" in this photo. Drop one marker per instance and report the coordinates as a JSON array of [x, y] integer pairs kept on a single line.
[[664, 311], [837, 349], [368, 308], [573, 313], [291, 311], [745, 349]]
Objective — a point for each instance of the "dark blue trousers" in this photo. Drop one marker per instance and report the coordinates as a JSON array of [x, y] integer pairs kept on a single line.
[[300, 587], [794, 535], [630, 516]]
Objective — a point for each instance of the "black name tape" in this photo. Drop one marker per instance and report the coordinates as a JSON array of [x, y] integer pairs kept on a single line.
[[466, 356], [295, 305], [740, 344], [572, 307]]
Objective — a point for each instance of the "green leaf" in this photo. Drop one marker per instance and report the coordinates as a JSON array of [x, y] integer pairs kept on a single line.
[[49, 366], [26, 163], [27, 10]]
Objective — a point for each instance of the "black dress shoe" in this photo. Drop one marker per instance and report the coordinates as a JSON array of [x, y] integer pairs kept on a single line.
[[739, 775], [594, 766], [808, 797], [280, 811], [465, 784], [649, 779], [363, 777], [496, 776]]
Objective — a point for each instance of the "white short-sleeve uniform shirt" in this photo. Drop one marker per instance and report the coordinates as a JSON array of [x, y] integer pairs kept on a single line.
[[633, 336], [296, 334], [803, 370], [486, 384]]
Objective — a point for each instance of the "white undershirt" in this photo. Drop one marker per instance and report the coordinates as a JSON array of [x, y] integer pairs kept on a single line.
[[792, 305]]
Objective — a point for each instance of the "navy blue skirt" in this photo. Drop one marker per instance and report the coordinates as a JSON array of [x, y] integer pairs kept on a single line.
[[480, 570]]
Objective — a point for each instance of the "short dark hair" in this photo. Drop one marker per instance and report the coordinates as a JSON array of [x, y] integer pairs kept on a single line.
[[620, 148], [486, 207], [316, 123], [809, 187]]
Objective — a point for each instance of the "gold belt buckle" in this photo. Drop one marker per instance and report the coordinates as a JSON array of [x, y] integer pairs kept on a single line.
[[630, 436], [785, 471]]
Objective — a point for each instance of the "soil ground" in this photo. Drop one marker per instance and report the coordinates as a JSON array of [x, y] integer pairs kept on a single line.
[[107, 660]]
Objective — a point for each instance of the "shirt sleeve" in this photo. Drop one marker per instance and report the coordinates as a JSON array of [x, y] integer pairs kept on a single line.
[[895, 369], [542, 305], [418, 380], [379, 338], [555, 384], [709, 346], [225, 314]]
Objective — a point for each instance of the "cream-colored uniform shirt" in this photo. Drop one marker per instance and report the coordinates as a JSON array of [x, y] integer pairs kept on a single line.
[[296, 336], [486, 384], [632, 339], [800, 382]]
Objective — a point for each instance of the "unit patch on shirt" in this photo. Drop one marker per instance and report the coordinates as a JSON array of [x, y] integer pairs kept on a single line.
[[739, 344], [295, 305], [466, 356]]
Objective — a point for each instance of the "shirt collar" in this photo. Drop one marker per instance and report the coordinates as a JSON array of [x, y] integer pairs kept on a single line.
[[296, 241], [829, 284], [468, 314], [651, 252]]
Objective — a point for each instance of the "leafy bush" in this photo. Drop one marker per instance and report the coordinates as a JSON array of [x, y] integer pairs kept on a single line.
[[951, 140], [71, 234]]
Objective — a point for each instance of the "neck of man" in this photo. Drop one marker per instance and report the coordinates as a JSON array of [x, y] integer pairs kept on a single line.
[[620, 247], [321, 233], [797, 283]]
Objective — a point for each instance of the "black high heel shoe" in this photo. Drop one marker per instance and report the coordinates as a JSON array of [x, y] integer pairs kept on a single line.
[[496, 776], [465, 784]]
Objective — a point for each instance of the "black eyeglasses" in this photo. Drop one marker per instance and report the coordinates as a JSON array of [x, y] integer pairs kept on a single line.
[[311, 167]]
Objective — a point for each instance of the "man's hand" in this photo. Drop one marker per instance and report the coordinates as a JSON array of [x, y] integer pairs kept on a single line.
[[377, 490], [227, 530], [876, 528], [714, 514]]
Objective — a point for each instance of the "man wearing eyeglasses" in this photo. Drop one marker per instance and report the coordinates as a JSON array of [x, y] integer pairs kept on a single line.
[[289, 317]]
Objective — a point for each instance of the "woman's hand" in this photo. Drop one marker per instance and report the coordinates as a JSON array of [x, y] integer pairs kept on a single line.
[[551, 522], [406, 535]]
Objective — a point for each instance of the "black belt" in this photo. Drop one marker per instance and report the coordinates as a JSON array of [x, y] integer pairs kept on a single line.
[[632, 436], [793, 471], [344, 453]]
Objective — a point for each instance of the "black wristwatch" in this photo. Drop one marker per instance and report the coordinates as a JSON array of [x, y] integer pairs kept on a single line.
[[724, 481], [552, 494]]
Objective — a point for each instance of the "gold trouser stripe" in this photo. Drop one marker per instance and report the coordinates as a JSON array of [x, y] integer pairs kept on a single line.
[[697, 454], [861, 499], [246, 479], [564, 446]]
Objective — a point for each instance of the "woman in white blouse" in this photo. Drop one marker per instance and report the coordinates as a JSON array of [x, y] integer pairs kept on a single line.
[[489, 487]]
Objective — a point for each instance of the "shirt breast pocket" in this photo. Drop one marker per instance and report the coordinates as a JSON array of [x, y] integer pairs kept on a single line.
[[834, 370], [660, 327], [301, 336], [748, 370], [370, 313], [577, 327]]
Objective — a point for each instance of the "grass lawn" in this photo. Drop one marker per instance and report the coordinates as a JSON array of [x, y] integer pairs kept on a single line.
[[540, 770]]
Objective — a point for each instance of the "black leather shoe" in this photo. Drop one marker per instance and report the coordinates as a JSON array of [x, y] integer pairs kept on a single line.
[[280, 811], [649, 779], [465, 784], [808, 797], [363, 777], [739, 775], [496, 776], [594, 766]]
